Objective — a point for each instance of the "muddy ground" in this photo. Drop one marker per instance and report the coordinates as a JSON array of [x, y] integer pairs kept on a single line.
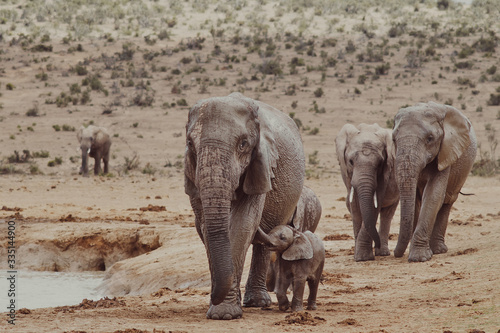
[[343, 66]]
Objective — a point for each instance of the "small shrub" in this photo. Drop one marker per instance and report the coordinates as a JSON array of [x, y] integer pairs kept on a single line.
[[41, 48], [81, 70], [68, 128], [313, 158], [131, 163], [33, 112], [492, 70], [389, 123], [54, 162], [149, 169], [41, 154], [10, 86], [57, 128], [182, 102], [494, 99], [318, 92], [271, 67], [314, 131]]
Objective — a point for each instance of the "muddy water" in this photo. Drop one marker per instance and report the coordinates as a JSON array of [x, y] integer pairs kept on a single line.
[[49, 289]]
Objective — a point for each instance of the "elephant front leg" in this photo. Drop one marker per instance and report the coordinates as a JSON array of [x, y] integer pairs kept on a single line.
[[97, 164], [432, 201], [230, 308], [256, 294], [363, 250], [299, 285], [281, 288]]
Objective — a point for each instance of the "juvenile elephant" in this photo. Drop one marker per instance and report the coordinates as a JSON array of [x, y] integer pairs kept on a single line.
[[306, 217], [301, 258], [244, 168], [366, 157], [435, 149], [94, 142]]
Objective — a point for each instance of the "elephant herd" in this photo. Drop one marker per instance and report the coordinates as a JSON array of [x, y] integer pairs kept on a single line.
[[244, 174]]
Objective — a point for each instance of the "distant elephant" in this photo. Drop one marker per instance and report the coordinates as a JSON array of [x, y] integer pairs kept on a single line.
[[244, 168], [94, 142], [366, 157], [435, 150], [301, 258], [306, 217]]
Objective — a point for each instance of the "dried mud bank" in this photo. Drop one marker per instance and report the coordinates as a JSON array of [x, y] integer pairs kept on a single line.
[[73, 247]]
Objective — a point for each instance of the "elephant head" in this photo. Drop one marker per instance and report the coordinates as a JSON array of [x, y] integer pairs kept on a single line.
[[230, 153], [366, 157], [289, 242], [427, 136], [94, 142]]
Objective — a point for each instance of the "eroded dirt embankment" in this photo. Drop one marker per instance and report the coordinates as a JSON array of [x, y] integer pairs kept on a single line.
[[80, 246]]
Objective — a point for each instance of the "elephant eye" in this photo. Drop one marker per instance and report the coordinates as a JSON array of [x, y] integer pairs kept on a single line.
[[351, 162], [430, 138], [243, 144]]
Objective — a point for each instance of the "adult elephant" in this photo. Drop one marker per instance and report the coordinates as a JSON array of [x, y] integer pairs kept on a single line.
[[366, 157], [435, 149], [244, 168], [94, 142]]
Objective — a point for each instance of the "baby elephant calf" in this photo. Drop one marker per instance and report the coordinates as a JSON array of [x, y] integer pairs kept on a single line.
[[301, 258]]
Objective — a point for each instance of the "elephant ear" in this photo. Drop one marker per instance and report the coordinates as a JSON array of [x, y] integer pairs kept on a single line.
[[385, 136], [301, 248], [456, 136], [99, 134], [341, 142], [264, 157], [189, 159], [80, 133]]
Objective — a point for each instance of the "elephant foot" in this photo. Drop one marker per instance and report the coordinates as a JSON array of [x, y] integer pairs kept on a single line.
[[364, 255], [383, 251], [284, 306], [312, 306], [438, 247], [225, 311], [257, 299], [420, 254]]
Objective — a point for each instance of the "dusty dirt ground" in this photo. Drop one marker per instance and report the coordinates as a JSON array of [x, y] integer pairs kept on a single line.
[[137, 221]]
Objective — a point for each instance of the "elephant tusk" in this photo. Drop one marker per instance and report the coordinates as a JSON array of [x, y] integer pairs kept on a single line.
[[375, 200], [88, 151], [351, 195]]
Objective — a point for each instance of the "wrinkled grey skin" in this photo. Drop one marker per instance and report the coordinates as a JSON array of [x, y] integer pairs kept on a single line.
[[301, 258], [94, 142], [435, 150], [306, 217], [244, 168], [366, 157]]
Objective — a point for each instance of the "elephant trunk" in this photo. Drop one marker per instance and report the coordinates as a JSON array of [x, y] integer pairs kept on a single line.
[[216, 193], [408, 166], [85, 161], [368, 204]]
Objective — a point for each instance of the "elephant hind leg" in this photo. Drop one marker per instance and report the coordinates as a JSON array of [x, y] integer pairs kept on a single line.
[[313, 289], [439, 231], [256, 294], [386, 215]]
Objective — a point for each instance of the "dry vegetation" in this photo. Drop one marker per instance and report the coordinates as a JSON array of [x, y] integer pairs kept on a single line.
[[136, 67]]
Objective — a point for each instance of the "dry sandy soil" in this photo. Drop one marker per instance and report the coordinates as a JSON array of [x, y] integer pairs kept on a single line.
[[136, 222]]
